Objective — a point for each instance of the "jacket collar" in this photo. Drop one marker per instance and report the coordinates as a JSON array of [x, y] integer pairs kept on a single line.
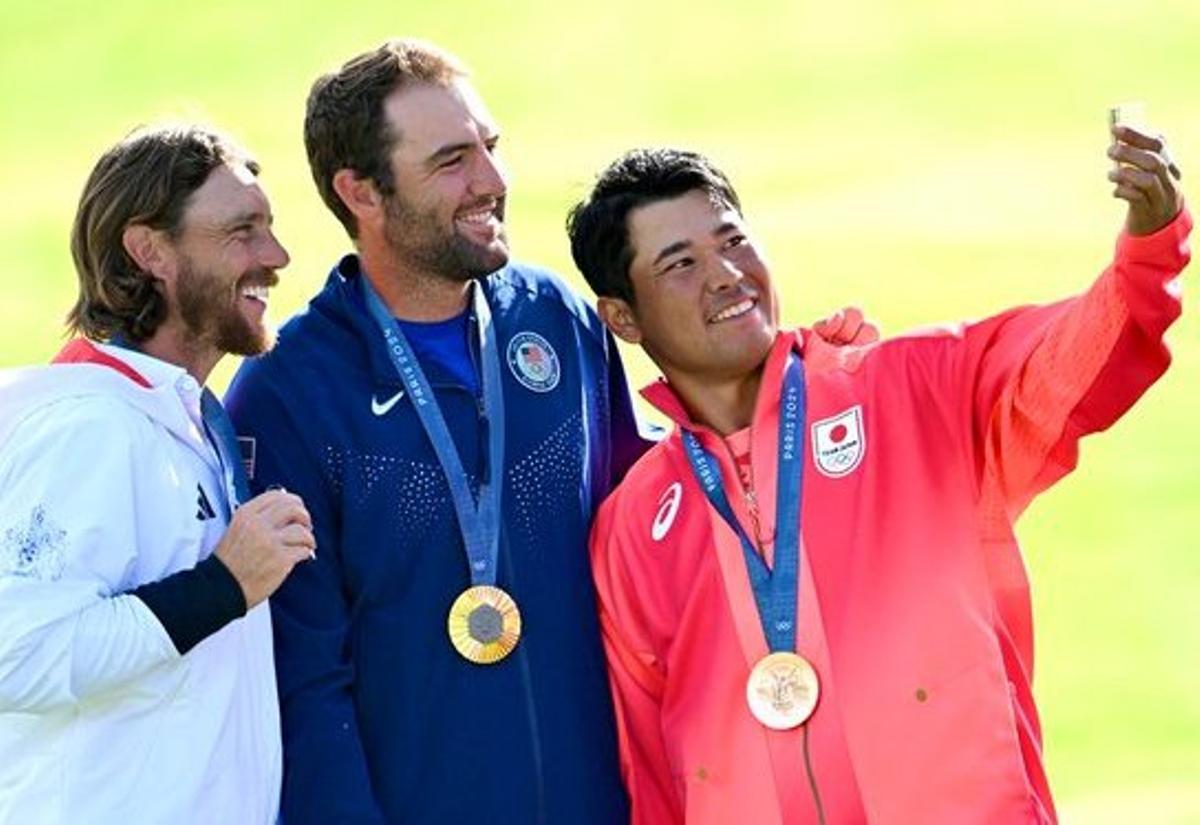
[[342, 300], [83, 368], [83, 351], [664, 398]]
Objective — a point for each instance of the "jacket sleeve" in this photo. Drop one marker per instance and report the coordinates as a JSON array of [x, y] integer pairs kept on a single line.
[[636, 677], [68, 547], [326, 778], [1043, 377]]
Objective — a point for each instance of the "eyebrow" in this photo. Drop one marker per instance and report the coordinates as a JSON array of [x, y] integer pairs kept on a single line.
[[249, 216], [669, 250], [725, 228], [448, 150], [461, 146], [674, 248]]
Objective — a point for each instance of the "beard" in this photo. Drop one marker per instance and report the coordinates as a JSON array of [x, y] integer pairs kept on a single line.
[[419, 237], [209, 307]]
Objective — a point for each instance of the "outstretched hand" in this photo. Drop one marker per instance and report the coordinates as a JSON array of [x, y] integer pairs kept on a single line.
[[1146, 177]]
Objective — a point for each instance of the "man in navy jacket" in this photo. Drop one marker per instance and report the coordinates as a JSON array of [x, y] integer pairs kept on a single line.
[[384, 720]]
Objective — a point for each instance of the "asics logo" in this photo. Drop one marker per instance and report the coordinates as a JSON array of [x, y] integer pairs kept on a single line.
[[668, 507], [382, 409]]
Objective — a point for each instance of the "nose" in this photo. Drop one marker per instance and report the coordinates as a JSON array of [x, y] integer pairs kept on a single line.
[[489, 176], [724, 275], [273, 255]]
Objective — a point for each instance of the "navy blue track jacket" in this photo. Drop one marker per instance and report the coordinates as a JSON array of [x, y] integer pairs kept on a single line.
[[382, 720]]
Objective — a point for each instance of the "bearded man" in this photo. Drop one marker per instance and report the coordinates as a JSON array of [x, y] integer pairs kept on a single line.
[[136, 669]]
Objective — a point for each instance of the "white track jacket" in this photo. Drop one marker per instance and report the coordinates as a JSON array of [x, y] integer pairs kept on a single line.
[[101, 719]]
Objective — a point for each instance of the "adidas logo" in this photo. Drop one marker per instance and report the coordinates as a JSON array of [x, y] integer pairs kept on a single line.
[[204, 509]]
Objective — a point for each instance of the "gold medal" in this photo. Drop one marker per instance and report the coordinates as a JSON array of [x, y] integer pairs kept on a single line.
[[484, 624], [782, 690]]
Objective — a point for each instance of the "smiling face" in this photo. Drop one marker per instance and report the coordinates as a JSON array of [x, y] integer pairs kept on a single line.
[[705, 307], [226, 257], [446, 216]]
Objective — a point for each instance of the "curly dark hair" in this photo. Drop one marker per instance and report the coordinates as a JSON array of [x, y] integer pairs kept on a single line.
[[598, 226], [146, 179]]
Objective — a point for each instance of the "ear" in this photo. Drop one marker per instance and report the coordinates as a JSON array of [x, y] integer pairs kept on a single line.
[[149, 249], [619, 317], [358, 194]]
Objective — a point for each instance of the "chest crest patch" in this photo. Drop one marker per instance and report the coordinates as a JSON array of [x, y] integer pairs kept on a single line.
[[839, 442], [533, 362]]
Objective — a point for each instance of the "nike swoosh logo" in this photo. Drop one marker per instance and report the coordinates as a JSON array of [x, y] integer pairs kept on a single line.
[[382, 409]]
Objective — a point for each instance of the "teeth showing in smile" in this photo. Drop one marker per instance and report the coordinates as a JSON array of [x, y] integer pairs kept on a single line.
[[481, 217], [734, 311], [257, 292]]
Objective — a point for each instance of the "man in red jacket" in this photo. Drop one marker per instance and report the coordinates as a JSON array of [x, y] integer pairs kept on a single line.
[[813, 604]]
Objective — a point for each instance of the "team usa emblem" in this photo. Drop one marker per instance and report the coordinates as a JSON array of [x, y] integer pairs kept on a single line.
[[839, 442], [533, 362]]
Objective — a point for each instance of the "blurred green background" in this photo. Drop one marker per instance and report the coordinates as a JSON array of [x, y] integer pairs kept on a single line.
[[928, 160]]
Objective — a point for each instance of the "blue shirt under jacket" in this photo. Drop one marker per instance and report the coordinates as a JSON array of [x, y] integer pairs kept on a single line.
[[382, 720]]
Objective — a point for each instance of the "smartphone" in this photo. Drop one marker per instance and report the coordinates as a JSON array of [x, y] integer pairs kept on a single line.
[[1128, 114]]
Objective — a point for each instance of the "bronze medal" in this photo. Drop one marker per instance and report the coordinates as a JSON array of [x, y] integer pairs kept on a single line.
[[484, 624], [782, 690]]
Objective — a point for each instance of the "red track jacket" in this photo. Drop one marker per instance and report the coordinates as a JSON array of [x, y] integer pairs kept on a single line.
[[921, 451]]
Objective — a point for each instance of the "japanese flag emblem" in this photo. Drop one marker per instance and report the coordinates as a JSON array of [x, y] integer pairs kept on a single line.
[[839, 442]]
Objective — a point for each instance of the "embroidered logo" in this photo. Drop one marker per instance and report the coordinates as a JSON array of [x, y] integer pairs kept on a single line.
[[204, 508], [668, 508], [533, 362], [34, 551], [383, 409], [248, 447], [839, 442]]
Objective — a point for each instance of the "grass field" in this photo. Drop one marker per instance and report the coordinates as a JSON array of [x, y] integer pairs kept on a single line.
[[924, 159]]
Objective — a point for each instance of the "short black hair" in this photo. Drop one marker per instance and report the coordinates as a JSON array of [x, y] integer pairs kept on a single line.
[[598, 226]]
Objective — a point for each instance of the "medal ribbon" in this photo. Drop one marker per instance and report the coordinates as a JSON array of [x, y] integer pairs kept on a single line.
[[224, 439], [477, 522], [219, 429], [775, 591]]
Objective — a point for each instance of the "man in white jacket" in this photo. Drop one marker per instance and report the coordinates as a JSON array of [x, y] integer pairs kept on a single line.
[[136, 676]]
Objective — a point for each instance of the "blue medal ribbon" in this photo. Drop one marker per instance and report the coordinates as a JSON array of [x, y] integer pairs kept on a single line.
[[219, 429], [224, 439], [774, 589], [477, 522]]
